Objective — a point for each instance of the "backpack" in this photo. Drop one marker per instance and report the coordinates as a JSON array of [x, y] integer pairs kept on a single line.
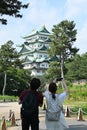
[[54, 108], [29, 105]]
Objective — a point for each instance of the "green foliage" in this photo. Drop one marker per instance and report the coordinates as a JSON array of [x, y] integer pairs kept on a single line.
[[9, 57], [83, 106], [64, 35], [43, 83], [8, 98], [10, 8], [53, 72], [74, 70], [77, 69], [17, 78], [17, 81], [77, 97], [78, 93], [8, 123]]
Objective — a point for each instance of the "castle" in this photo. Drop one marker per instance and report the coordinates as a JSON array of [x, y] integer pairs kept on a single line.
[[34, 51]]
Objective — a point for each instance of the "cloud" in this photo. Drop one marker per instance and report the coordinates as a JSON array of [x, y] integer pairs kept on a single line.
[[40, 13], [12, 31], [82, 39], [75, 8], [48, 13]]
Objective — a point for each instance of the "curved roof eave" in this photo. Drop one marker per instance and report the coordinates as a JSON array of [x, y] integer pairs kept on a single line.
[[31, 34], [39, 61], [42, 31]]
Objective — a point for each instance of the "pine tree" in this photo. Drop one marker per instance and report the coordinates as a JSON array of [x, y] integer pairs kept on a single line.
[[11, 8]]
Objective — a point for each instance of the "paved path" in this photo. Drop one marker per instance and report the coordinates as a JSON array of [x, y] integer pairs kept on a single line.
[[6, 107], [73, 125]]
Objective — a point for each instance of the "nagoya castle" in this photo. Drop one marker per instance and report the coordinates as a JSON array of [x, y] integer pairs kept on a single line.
[[34, 51]]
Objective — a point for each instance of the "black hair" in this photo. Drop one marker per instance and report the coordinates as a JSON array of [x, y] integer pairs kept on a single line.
[[35, 83], [52, 89]]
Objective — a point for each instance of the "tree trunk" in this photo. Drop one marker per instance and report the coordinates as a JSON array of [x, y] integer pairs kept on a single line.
[[62, 72], [62, 66], [4, 87]]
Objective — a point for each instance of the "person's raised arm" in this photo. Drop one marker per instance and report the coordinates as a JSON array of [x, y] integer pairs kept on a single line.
[[64, 86]]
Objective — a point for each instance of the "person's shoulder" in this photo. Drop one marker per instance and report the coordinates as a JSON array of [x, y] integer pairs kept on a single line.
[[24, 91], [22, 95], [39, 93], [63, 95], [47, 93]]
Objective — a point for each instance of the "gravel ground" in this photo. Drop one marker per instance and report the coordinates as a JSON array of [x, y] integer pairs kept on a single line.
[[5, 108]]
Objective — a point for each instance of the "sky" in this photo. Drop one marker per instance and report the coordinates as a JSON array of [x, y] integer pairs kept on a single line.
[[48, 13]]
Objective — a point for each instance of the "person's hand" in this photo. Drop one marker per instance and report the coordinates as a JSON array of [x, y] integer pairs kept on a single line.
[[19, 101], [59, 79]]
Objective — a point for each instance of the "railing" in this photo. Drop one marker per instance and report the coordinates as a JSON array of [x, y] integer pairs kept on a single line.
[[80, 112], [11, 120], [67, 112]]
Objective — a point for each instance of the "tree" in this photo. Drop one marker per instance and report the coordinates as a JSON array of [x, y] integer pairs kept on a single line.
[[77, 69], [9, 58], [17, 80], [83, 68], [52, 72], [74, 72], [64, 35], [11, 8]]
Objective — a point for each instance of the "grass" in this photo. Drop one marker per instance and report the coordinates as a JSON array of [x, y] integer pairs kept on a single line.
[[76, 99], [8, 123], [7, 98]]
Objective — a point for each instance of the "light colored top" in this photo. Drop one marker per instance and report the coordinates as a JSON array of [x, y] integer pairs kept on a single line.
[[56, 125], [62, 96]]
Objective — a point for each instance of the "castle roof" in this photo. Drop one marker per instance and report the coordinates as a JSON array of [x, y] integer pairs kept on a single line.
[[43, 48], [43, 30], [48, 40], [54, 58], [29, 59], [28, 49], [25, 49], [34, 41]]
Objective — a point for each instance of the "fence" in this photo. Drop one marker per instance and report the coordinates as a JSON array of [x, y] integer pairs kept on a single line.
[[67, 112], [11, 120]]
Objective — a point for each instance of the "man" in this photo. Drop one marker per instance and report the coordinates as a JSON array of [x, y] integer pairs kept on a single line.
[[33, 120]]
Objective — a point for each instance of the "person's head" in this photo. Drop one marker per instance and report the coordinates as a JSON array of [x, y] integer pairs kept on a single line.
[[53, 89], [35, 83]]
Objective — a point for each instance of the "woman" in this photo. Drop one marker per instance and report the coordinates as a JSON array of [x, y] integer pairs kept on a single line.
[[51, 94]]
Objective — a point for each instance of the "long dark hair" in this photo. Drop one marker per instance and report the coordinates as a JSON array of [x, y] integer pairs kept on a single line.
[[53, 89]]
